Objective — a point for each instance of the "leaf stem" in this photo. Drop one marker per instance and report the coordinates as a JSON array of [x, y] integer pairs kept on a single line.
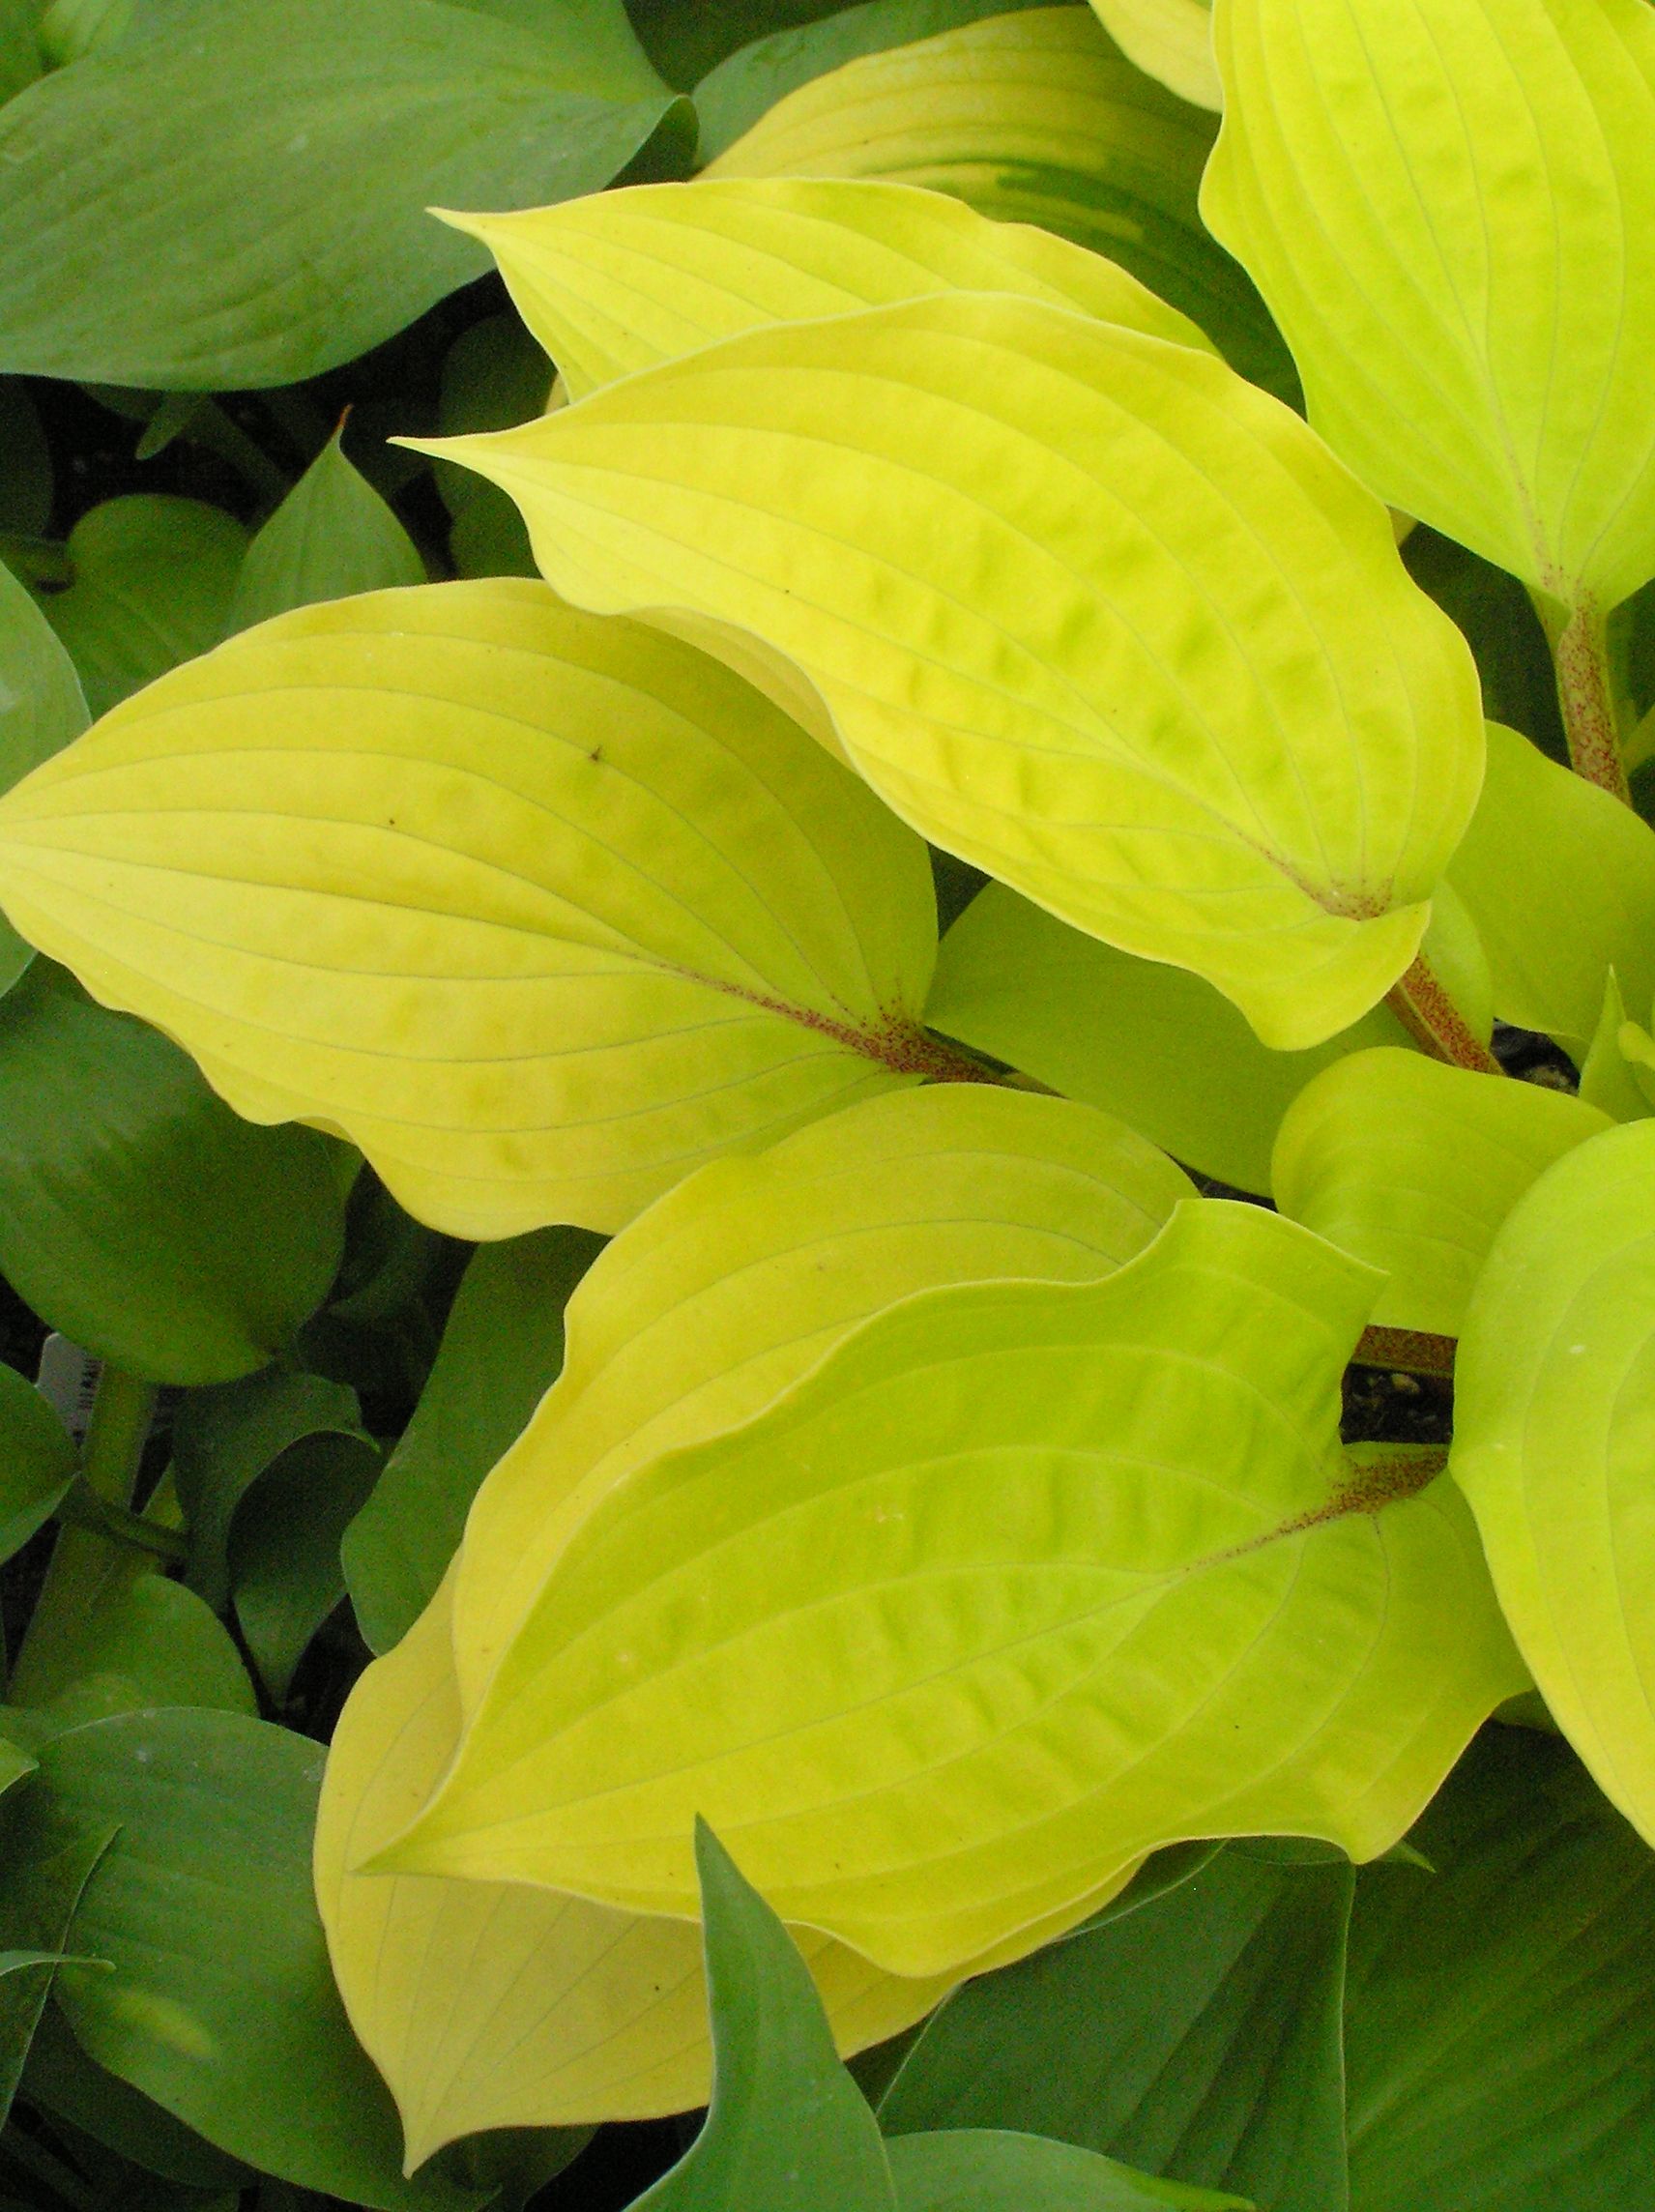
[[1586, 692], [1430, 1016]]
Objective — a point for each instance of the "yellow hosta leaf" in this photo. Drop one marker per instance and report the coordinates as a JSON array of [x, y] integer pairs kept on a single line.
[[1023, 1581], [1036, 117], [1083, 606], [1451, 212], [1172, 41], [740, 1281], [541, 911], [492, 2005], [621, 281]]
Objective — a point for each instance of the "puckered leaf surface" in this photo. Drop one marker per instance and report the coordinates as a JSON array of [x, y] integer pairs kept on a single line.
[[1023, 1581], [1451, 212], [541, 911], [1083, 605]]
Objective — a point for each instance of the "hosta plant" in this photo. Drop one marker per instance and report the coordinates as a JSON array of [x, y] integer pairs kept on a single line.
[[1056, 1505]]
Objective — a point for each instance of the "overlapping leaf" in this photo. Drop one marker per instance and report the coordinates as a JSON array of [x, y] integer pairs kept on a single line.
[[331, 537], [1032, 117], [621, 281], [41, 707], [1089, 609], [1553, 1417], [1452, 215], [1171, 40], [1412, 1166], [1021, 1583], [572, 909]]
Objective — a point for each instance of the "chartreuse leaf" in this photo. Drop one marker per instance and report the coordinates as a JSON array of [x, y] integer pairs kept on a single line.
[[983, 2169], [573, 911], [501, 1351], [1170, 41], [698, 1315], [331, 536], [788, 2128], [1021, 1582], [221, 2006], [153, 580], [37, 1461], [158, 227], [1153, 1044], [1553, 1413], [1499, 2041], [139, 1216], [41, 707], [1033, 117], [1436, 209], [1610, 1079], [1560, 879], [493, 2004], [621, 281], [1412, 1166], [740, 1281], [1199, 2036], [1108, 622]]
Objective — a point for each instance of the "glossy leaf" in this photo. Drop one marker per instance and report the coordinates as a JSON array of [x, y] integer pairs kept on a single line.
[[1560, 879], [1500, 2044], [624, 280], [41, 709], [1434, 208], [161, 228], [221, 2006], [490, 2005], [1154, 1044], [1199, 2037], [138, 1214], [1107, 1580], [331, 536], [284, 1548], [742, 1280], [788, 2128], [972, 2169], [37, 1461], [1033, 117], [1170, 41], [142, 1643], [1105, 564], [1412, 1166], [574, 909], [1553, 1413], [502, 1351], [153, 580]]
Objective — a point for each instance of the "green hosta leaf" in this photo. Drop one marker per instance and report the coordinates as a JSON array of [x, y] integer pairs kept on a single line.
[[1439, 207], [976, 2169], [37, 1461], [788, 2128], [47, 1862], [1500, 2041], [1413, 1167], [1560, 879], [1553, 1407], [284, 1548], [576, 908], [1130, 639], [154, 578], [1021, 1582], [142, 1643], [1502, 628], [494, 375], [221, 2006], [738, 1283], [21, 60], [502, 1351], [1199, 2036], [1170, 41], [71, 28], [160, 226], [331, 536], [138, 1214], [1153, 1044], [747, 84], [1033, 117], [623, 280], [26, 473], [41, 707], [62, 2081], [491, 2005]]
